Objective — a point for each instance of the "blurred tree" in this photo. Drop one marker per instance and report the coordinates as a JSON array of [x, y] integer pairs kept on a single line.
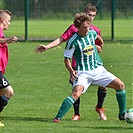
[[42, 8], [2, 4]]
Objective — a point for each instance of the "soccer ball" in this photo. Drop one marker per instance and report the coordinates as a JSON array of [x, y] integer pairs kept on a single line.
[[129, 115]]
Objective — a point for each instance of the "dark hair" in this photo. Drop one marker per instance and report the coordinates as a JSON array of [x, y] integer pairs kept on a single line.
[[90, 7]]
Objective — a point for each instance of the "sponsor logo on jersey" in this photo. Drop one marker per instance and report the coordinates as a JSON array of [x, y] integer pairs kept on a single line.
[[88, 50]]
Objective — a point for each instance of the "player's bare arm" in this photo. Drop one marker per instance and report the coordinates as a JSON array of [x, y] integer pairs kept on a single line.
[[101, 42], [73, 73], [99, 48], [8, 40], [42, 48]]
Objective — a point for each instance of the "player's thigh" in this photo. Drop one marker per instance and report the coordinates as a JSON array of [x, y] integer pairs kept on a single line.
[[8, 91], [117, 84], [5, 87]]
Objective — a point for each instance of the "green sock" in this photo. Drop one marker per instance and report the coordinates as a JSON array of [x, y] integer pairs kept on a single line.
[[66, 105], [121, 98]]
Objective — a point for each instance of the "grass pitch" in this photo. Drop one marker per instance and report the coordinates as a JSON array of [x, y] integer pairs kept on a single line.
[[40, 83]]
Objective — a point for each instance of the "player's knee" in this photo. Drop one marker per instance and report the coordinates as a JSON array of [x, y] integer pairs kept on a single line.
[[121, 86], [9, 92]]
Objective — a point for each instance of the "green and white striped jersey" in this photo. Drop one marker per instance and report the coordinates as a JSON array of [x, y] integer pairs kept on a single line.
[[84, 51]]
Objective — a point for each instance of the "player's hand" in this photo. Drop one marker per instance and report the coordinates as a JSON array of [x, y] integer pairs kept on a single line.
[[73, 76], [40, 48], [99, 48], [12, 39]]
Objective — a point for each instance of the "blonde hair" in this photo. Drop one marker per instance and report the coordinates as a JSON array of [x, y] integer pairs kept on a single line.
[[3, 13], [80, 18]]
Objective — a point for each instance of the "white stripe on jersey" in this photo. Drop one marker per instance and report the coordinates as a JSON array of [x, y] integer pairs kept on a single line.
[[83, 53], [82, 56], [69, 53], [93, 46], [70, 40], [95, 49]]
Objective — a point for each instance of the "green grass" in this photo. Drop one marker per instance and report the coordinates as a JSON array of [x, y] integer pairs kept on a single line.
[[49, 29], [40, 83]]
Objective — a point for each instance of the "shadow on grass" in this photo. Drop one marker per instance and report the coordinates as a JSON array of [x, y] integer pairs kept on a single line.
[[49, 120], [106, 128], [112, 127], [40, 119]]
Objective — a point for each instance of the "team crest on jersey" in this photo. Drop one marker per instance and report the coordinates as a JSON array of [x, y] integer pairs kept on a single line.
[[88, 50]]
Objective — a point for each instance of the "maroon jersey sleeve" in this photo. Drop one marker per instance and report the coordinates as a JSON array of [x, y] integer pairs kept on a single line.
[[69, 32], [98, 32]]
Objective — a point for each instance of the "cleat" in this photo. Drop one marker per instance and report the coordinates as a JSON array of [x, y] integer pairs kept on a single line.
[[121, 117], [101, 113], [76, 117], [56, 120], [1, 124]]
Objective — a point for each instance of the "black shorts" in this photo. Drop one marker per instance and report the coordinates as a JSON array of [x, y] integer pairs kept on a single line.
[[3, 82]]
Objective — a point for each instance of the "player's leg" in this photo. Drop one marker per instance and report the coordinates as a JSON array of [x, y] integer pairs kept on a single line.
[[101, 77], [76, 110], [118, 85], [68, 102], [6, 92], [106, 79], [5, 96], [101, 94], [76, 105]]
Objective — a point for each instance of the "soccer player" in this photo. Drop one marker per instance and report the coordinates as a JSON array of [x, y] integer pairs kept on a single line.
[[6, 90], [91, 11], [89, 67]]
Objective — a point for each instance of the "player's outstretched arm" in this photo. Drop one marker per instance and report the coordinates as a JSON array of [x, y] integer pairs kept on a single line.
[[12, 39], [41, 48], [8, 40]]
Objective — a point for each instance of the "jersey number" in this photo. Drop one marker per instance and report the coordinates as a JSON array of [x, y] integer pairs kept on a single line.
[[4, 82]]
